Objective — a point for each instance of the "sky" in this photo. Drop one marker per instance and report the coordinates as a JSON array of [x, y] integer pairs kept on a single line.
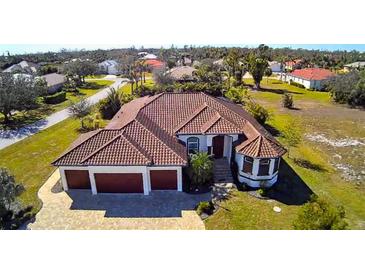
[[34, 48]]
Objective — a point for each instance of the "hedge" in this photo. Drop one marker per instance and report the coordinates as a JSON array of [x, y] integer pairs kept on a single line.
[[55, 98]]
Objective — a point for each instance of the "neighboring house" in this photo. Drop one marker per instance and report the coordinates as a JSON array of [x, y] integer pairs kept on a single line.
[[310, 78], [276, 66], [184, 61], [23, 67], [54, 81], [149, 56], [182, 74], [147, 143], [155, 64], [292, 65], [108, 67], [355, 65]]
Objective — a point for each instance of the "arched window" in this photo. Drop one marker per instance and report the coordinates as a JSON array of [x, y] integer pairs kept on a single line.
[[193, 145]]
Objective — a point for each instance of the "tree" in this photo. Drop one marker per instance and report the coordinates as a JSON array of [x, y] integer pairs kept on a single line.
[[109, 106], [12, 213], [80, 69], [202, 168], [268, 73], [256, 66], [19, 93], [80, 110], [287, 100], [234, 65], [260, 113], [292, 135], [319, 213]]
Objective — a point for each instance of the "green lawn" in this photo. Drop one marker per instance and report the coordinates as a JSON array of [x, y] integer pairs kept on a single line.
[[30, 159], [273, 89], [25, 118], [96, 76], [316, 114], [127, 88]]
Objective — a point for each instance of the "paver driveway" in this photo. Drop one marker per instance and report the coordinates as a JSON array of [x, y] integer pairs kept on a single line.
[[79, 209]]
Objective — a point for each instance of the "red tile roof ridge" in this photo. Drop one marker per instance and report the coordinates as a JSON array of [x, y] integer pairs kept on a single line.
[[144, 101], [191, 117], [211, 122], [71, 148], [140, 149], [172, 149], [101, 147]]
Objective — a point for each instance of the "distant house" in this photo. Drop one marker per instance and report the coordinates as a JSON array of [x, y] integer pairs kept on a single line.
[[276, 66], [109, 67], [355, 65], [23, 67], [184, 61], [182, 74], [54, 81], [292, 65], [149, 56], [310, 78], [155, 64]]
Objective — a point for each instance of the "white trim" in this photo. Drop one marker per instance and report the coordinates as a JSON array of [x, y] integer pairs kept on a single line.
[[63, 179], [94, 190]]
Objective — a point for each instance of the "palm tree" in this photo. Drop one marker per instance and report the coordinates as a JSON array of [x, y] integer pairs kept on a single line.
[[202, 167]]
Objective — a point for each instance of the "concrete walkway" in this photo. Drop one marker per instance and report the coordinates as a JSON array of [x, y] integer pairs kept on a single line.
[[78, 209], [9, 137]]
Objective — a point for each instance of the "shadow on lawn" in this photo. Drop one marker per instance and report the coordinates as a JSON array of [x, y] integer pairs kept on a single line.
[[290, 189]]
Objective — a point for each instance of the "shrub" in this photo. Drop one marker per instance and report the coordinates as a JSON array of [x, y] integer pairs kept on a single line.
[[287, 100], [109, 106], [236, 94], [12, 212], [260, 113], [319, 213], [205, 207], [202, 168], [291, 82], [56, 98], [262, 192]]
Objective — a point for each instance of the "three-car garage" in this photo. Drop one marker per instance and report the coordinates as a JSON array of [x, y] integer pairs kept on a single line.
[[100, 181]]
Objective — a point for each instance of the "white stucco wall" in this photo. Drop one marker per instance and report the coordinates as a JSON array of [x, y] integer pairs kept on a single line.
[[253, 180], [308, 84]]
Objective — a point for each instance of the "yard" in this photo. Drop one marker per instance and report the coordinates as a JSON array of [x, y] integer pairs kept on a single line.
[[24, 118], [330, 160]]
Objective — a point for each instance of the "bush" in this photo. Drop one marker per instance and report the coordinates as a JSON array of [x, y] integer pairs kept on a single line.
[[320, 214], [260, 113], [236, 95], [56, 98], [205, 207], [291, 82], [287, 100], [202, 168], [109, 106], [262, 192]]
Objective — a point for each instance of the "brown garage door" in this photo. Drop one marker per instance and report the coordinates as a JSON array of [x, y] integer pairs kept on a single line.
[[163, 179], [77, 179], [119, 182]]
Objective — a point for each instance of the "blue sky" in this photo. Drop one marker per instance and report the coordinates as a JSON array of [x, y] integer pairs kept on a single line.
[[24, 48]]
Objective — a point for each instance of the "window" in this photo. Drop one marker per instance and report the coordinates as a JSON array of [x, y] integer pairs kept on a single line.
[[276, 164], [247, 165], [264, 167], [193, 145]]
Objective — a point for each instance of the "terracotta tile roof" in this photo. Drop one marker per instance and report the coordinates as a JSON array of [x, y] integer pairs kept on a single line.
[[145, 131], [154, 63], [261, 147], [312, 73], [182, 73]]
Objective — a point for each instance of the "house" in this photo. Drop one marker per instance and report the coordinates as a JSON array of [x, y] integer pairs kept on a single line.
[[23, 67], [149, 56], [108, 67], [182, 74], [147, 143], [355, 65], [275, 66], [310, 78], [292, 65], [54, 81], [154, 64], [184, 61]]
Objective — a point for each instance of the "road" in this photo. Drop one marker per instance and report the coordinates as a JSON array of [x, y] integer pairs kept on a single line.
[[9, 137]]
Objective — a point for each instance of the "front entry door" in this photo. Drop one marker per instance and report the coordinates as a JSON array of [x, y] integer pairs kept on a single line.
[[218, 146]]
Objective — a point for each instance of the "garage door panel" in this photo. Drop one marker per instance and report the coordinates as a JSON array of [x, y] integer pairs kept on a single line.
[[163, 179], [78, 179], [119, 182]]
